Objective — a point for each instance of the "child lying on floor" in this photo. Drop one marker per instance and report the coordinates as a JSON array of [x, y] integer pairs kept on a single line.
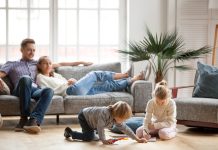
[[92, 118]]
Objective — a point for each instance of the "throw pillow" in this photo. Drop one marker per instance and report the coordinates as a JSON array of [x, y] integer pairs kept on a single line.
[[6, 90], [133, 123], [207, 81]]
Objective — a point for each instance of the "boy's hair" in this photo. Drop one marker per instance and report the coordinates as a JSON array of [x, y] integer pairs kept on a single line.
[[121, 109], [161, 90], [26, 41], [40, 60]]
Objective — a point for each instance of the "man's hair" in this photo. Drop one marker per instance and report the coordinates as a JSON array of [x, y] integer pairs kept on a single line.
[[26, 41], [121, 109]]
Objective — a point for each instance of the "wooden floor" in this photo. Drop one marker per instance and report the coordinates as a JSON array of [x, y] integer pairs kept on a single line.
[[51, 138]]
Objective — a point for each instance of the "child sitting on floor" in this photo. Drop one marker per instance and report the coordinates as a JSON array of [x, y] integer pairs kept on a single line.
[[160, 117], [93, 118]]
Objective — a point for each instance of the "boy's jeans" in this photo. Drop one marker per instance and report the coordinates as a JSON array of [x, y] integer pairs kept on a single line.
[[25, 91], [87, 134], [98, 82]]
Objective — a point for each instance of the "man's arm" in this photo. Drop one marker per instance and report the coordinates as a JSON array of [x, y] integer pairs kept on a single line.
[[55, 65]]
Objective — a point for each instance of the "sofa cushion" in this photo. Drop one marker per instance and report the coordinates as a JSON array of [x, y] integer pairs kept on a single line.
[[207, 82], [73, 104], [197, 109], [9, 105], [56, 106], [78, 72]]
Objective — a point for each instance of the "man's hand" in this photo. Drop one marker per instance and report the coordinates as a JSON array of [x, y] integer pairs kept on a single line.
[[71, 81], [87, 63]]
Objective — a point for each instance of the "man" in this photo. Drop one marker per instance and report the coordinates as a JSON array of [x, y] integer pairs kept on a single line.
[[23, 74]]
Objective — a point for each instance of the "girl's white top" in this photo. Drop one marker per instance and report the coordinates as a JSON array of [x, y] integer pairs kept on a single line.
[[161, 116]]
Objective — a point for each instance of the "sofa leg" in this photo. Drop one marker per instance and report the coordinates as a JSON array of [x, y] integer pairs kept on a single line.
[[57, 119]]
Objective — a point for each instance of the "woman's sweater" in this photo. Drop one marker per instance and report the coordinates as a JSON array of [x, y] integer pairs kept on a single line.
[[161, 116], [57, 83]]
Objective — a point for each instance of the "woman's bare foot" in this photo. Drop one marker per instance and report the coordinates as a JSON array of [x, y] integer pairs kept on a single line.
[[140, 76]]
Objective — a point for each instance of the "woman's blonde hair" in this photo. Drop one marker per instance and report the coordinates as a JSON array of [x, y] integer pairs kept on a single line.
[[121, 109], [161, 90], [41, 59]]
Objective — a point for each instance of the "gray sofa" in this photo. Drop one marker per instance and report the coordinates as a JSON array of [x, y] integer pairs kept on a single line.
[[196, 111], [138, 95]]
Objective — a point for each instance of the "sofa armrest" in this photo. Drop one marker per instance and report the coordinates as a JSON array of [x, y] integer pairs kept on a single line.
[[175, 90], [141, 91]]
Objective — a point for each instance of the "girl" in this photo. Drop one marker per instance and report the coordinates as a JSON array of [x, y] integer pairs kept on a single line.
[[93, 83], [93, 118], [160, 115]]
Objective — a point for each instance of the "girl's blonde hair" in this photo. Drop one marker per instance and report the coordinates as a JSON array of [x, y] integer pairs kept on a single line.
[[121, 109], [161, 90], [41, 59]]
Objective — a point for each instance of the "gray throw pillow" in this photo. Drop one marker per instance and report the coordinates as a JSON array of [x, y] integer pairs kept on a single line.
[[6, 90], [207, 82]]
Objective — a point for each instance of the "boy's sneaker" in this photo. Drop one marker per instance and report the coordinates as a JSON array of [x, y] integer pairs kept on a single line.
[[1, 121], [96, 138], [32, 126], [67, 132], [20, 125]]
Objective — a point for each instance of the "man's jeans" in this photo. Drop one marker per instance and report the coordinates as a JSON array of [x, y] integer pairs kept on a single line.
[[98, 82], [25, 91]]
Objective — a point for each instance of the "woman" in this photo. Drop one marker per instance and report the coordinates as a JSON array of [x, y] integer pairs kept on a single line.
[[93, 83]]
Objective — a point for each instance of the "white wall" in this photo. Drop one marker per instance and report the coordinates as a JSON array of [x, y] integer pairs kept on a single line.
[[140, 13], [145, 12]]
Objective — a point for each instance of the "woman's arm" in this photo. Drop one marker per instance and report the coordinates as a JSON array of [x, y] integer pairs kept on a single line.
[[55, 65]]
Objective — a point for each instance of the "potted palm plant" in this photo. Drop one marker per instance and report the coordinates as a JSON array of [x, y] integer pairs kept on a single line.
[[162, 52]]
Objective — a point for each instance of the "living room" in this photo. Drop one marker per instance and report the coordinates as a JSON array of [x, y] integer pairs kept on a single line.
[[144, 40]]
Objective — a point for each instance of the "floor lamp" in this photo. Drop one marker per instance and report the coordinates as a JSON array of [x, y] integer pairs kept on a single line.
[[213, 4]]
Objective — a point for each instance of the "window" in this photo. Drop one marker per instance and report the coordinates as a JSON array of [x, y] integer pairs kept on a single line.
[[192, 25], [65, 30]]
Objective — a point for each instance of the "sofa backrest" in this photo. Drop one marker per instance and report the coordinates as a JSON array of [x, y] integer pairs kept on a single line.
[[78, 72]]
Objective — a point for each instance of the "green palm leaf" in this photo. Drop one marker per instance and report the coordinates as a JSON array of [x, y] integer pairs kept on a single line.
[[162, 51]]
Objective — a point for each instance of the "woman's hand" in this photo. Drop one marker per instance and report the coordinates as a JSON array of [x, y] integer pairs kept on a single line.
[[87, 63], [71, 81]]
